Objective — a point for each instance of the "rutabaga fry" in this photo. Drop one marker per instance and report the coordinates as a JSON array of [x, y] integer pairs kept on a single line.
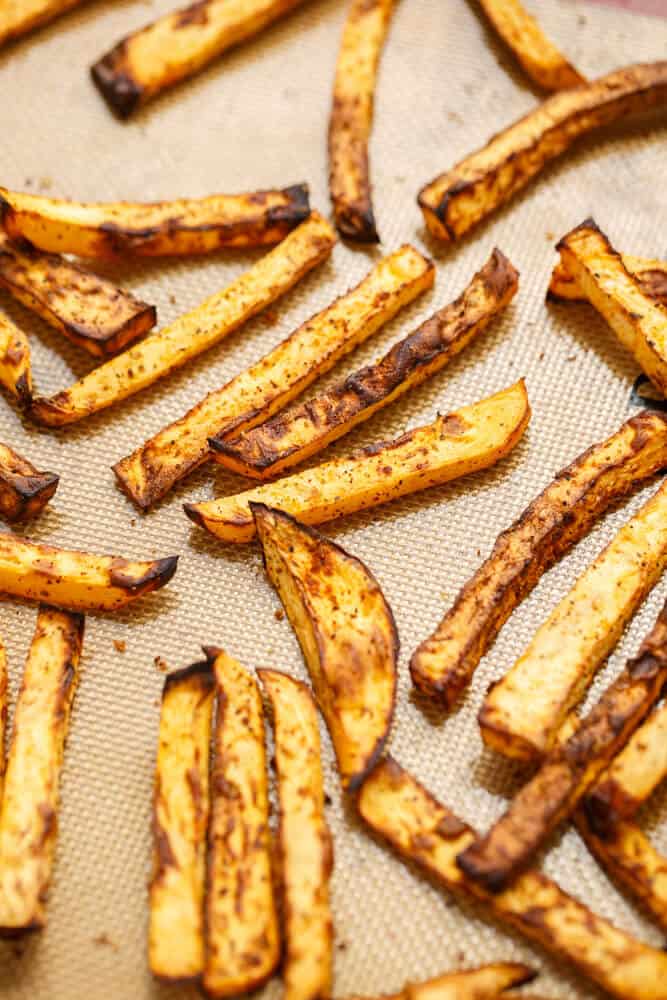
[[457, 200], [443, 665], [484, 983], [153, 229], [306, 428], [79, 581], [24, 491], [180, 818], [255, 394], [28, 819], [3, 713], [304, 841], [455, 445], [651, 276], [242, 937], [346, 631], [178, 45], [352, 118], [193, 333], [15, 369], [18, 17]]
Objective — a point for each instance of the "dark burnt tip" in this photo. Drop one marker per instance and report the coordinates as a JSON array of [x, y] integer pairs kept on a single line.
[[299, 196], [211, 652], [220, 445], [164, 570], [356, 226], [192, 511], [121, 93], [157, 575], [588, 223], [201, 670], [24, 391]]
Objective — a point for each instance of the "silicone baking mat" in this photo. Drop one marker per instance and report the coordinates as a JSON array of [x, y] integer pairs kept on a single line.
[[255, 119]]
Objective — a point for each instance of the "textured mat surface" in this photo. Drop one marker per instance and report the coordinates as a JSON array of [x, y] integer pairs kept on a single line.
[[255, 119]]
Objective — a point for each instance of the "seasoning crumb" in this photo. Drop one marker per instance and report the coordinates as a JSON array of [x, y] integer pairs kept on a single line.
[[327, 799], [279, 614], [45, 183], [161, 664], [172, 299], [550, 236], [133, 521], [103, 940], [571, 357], [541, 357], [119, 645], [341, 945], [269, 317]]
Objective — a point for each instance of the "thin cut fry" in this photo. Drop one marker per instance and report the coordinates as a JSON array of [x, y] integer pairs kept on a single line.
[[455, 445], [149, 473], [15, 370], [540, 59], [28, 820], [457, 200], [24, 491], [190, 335], [242, 939], [79, 581], [180, 818], [18, 17], [484, 983], [177, 46], [306, 428], [352, 118], [3, 713], [443, 665], [304, 842], [651, 276], [523, 711], [150, 229]]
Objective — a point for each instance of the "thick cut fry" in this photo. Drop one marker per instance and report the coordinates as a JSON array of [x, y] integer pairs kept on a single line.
[[457, 200], [455, 445], [304, 842], [352, 118], [650, 274], [177, 46], [242, 938], [24, 491], [15, 369], [637, 320], [539, 58], [90, 311], [423, 830], [195, 332], [3, 713], [523, 711], [28, 820], [484, 983], [18, 17], [443, 665], [571, 768], [180, 818], [77, 580], [297, 433], [255, 394], [153, 229], [346, 631]]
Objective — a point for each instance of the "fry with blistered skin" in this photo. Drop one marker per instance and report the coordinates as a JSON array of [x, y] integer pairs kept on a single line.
[[180, 818], [571, 768], [28, 819], [423, 830], [457, 200], [539, 58], [18, 17], [79, 581], [24, 491], [178, 45], [352, 118], [242, 938], [306, 428], [15, 369], [455, 445], [651, 276], [153, 229], [193, 333], [443, 665], [255, 394], [304, 841]]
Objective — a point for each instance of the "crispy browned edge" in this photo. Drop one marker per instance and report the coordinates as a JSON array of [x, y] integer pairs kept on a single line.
[[653, 283], [259, 510], [571, 768], [368, 387], [159, 574], [24, 490], [567, 528], [54, 10]]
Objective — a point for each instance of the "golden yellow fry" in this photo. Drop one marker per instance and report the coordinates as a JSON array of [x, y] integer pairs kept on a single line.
[[484, 983], [455, 445], [15, 369], [190, 335], [24, 491], [651, 275], [28, 819], [312, 349], [3, 713], [304, 841], [18, 17]]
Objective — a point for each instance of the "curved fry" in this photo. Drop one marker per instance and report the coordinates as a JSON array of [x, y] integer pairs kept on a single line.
[[15, 369], [24, 491]]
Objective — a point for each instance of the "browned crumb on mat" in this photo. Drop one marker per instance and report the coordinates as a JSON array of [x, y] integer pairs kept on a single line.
[[161, 664], [119, 645], [279, 614], [104, 941]]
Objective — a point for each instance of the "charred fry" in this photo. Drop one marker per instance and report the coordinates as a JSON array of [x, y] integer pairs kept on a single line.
[[306, 428], [28, 819], [443, 665], [24, 491], [149, 473], [651, 276], [77, 580], [153, 229], [352, 118], [163, 352], [242, 940], [15, 370], [455, 445], [18, 18], [484, 983], [304, 842], [180, 817], [457, 200], [346, 631]]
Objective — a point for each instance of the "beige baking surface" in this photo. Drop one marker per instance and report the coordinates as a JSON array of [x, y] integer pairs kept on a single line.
[[258, 119]]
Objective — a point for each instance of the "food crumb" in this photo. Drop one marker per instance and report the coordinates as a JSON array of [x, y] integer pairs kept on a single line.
[[541, 357], [133, 521], [279, 614], [327, 799], [550, 236], [104, 940], [269, 317], [119, 645], [172, 299], [571, 357], [45, 183], [341, 945], [161, 664]]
